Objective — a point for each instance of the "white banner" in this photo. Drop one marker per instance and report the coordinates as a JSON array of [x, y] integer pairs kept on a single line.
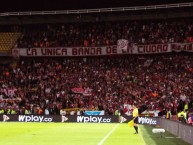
[[123, 48], [68, 51], [182, 47]]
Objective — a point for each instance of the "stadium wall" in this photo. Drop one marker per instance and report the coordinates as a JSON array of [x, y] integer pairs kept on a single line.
[[182, 131]]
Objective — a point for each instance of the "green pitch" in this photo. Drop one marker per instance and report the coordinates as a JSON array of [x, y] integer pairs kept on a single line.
[[81, 134]]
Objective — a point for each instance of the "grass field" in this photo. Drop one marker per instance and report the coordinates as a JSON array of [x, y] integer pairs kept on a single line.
[[81, 134]]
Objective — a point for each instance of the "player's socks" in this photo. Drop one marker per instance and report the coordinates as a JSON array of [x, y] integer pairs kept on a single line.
[[137, 129]]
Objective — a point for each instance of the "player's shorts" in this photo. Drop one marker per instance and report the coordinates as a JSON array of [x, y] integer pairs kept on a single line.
[[136, 120]]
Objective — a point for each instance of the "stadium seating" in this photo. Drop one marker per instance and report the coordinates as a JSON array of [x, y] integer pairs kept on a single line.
[[107, 33], [161, 82], [7, 41]]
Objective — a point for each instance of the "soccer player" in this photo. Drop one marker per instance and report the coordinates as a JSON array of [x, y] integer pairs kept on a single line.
[[135, 117]]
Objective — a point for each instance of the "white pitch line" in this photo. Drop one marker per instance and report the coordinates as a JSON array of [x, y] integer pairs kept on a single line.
[[103, 140], [172, 137], [169, 137]]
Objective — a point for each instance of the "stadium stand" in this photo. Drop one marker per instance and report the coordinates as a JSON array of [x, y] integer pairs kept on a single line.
[[8, 41], [164, 84], [107, 33], [157, 82]]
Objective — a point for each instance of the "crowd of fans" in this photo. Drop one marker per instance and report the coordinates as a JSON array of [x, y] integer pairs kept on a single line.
[[110, 83], [106, 33], [44, 85]]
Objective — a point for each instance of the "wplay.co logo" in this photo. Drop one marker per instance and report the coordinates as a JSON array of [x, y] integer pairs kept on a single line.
[[122, 119], [64, 118], [5, 118]]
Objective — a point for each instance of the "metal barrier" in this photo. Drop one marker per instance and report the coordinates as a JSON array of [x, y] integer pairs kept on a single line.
[[182, 131], [100, 10]]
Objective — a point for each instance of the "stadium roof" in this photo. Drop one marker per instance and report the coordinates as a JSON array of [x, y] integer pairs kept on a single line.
[[47, 5]]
